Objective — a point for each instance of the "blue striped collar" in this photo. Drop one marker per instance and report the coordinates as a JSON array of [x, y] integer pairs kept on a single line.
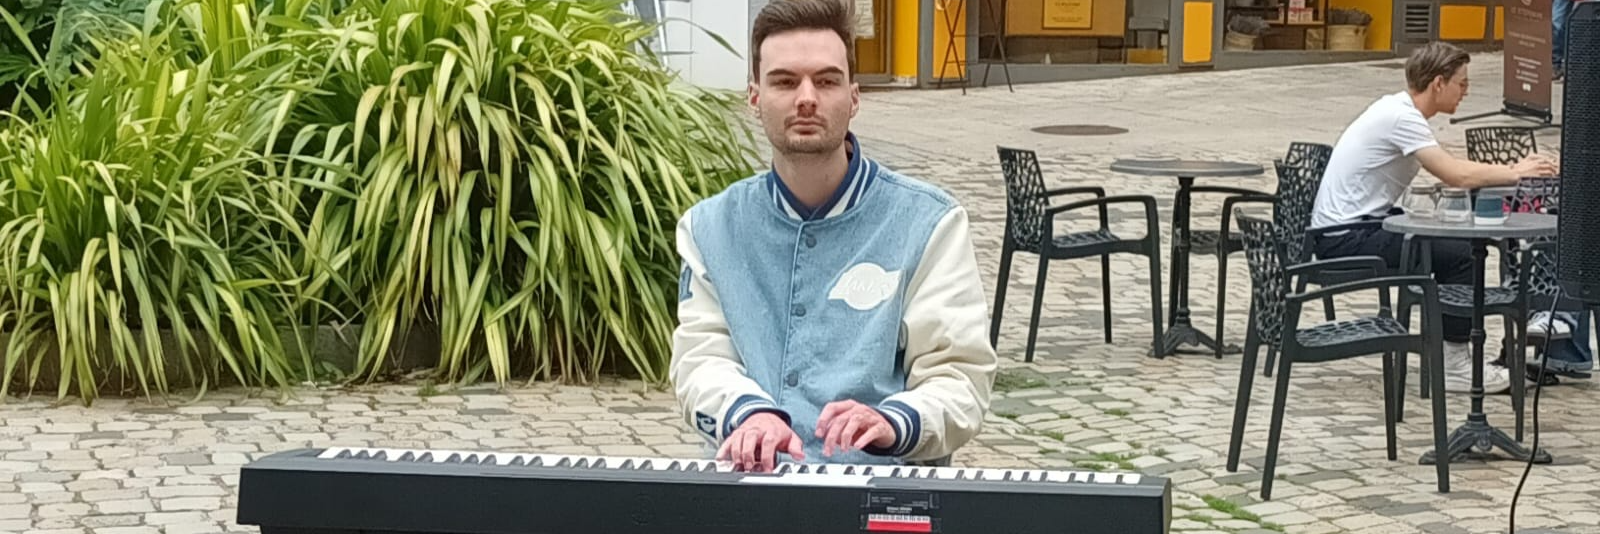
[[857, 178]]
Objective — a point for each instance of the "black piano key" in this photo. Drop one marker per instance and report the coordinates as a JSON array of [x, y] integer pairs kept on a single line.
[[565, 462], [1009, 473], [343, 454], [895, 473], [784, 468], [409, 456], [426, 457], [518, 460], [382, 455], [454, 458], [488, 459], [849, 470], [582, 463]]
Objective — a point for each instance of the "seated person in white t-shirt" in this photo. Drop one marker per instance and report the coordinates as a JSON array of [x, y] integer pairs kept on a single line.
[[1373, 164]]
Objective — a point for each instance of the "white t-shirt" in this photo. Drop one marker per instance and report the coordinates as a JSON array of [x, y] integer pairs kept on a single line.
[[1373, 162]]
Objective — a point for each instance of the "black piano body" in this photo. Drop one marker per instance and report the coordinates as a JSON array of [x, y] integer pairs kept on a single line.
[[373, 491]]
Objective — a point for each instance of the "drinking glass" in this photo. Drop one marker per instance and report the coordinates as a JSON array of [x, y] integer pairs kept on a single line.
[[1421, 201], [1455, 206]]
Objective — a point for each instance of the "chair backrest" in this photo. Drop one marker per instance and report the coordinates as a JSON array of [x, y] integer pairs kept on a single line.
[[1500, 145], [1313, 156], [1269, 286], [1292, 208], [1538, 195], [1025, 201]]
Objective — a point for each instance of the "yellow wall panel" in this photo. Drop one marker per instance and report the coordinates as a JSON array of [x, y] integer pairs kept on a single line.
[[1499, 23], [1462, 23], [943, 10], [1197, 31], [904, 27]]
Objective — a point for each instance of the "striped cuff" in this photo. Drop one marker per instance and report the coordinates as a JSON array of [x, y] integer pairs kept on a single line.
[[746, 406], [907, 425]]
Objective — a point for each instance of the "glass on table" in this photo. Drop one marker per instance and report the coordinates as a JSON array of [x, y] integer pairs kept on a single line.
[[1421, 201], [1455, 205]]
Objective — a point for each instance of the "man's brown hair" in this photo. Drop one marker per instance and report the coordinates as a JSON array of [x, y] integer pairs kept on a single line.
[[782, 16], [1432, 61]]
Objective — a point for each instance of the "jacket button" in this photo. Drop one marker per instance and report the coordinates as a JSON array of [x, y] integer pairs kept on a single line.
[[799, 311], [811, 241], [793, 379]]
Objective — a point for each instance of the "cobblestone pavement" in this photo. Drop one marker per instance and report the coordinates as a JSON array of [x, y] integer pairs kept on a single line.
[[129, 466]]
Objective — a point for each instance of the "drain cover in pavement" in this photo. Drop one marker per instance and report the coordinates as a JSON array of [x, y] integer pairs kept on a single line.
[[1080, 129]]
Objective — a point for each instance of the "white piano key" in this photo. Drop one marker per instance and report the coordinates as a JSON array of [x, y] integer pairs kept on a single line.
[[995, 474], [947, 473], [1131, 478]]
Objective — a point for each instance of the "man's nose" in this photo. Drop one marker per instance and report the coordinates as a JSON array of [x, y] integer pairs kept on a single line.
[[806, 99]]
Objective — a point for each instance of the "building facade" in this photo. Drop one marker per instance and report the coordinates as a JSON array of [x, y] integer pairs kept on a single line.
[[928, 43]]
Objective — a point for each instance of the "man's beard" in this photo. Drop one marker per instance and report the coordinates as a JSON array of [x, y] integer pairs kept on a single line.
[[813, 146]]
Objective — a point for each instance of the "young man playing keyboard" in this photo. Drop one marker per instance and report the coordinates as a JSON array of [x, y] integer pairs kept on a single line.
[[830, 309]]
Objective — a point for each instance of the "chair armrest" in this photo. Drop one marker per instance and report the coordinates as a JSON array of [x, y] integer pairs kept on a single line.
[[1429, 288], [1238, 191], [1148, 201], [1096, 191], [1372, 263], [1295, 303]]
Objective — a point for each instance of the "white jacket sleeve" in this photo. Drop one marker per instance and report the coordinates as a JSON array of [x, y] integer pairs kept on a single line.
[[714, 393], [950, 365]]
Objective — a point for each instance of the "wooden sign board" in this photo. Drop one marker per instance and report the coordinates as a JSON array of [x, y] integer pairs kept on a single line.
[[1077, 18], [1068, 14]]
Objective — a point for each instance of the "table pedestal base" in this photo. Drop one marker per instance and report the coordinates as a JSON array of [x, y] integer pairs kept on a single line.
[[1477, 440], [1183, 333]]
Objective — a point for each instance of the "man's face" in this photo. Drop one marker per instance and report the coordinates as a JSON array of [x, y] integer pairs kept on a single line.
[[804, 95], [1452, 90]]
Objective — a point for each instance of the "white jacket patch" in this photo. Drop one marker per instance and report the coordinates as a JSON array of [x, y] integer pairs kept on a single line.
[[865, 286]]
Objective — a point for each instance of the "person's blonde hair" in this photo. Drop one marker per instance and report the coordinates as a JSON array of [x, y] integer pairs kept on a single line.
[[1434, 60]]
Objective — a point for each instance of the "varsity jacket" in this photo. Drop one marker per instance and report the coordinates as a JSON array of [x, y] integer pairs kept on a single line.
[[873, 296]]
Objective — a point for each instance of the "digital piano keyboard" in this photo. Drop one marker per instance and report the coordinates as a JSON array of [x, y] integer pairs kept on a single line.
[[372, 490]]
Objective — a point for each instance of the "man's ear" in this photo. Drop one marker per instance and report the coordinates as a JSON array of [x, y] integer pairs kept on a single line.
[[855, 98], [753, 98]]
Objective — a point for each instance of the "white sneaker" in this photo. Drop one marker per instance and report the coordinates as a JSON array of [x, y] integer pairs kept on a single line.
[[1543, 324], [1458, 371]]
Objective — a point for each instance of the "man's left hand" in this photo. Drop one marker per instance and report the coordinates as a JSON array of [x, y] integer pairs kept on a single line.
[[851, 425]]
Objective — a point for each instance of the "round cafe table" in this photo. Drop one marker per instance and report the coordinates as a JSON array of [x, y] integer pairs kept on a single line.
[[1477, 434], [1180, 331]]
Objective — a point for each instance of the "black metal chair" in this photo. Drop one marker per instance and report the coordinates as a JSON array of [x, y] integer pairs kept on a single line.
[[1275, 322], [1500, 145], [1223, 242], [1291, 207], [1030, 227]]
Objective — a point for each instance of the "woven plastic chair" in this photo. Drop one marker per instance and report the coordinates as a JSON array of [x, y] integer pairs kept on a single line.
[[1030, 227], [1275, 323]]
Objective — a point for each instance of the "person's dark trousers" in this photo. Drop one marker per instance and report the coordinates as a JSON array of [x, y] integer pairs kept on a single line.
[[1452, 263]]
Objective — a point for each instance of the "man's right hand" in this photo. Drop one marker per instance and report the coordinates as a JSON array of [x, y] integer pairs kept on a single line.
[[1536, 166], [755, 445]]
